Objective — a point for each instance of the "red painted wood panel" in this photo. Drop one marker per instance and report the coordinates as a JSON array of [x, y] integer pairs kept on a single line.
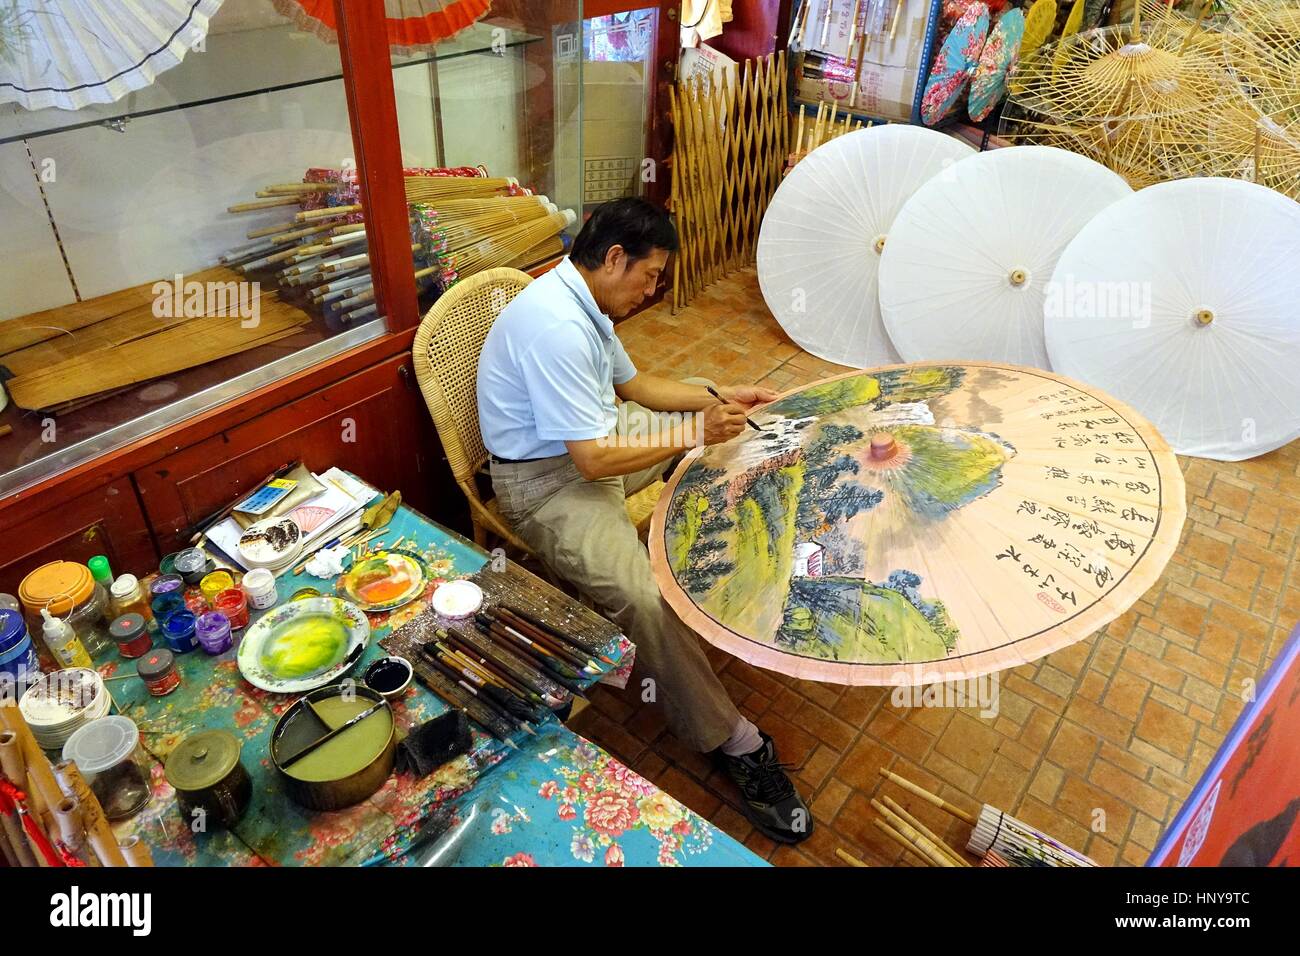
[[372, 424], [107, 520]]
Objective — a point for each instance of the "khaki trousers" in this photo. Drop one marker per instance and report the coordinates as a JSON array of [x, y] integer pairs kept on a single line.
[[581, 530]]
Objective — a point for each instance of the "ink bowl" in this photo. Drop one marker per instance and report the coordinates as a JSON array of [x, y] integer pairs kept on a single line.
[[389, 676]]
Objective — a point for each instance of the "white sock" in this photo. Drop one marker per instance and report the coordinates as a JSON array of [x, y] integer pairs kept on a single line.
[[744, 739]]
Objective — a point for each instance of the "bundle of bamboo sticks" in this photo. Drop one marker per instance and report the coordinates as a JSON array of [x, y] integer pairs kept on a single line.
[[1013, 842], [462, 221], [59, 810]]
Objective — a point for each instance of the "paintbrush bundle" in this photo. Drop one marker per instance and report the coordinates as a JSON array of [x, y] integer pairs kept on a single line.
[[528, 650], [730, 144]]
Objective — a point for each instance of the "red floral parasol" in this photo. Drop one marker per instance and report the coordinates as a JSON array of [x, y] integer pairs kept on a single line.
[[411, 23]]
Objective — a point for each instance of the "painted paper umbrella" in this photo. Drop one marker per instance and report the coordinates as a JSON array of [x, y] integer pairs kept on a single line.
[[412, 24], [919, 523], [989, 84], [954, 63], [965, 272], [1181, 299], [66, 54], [820, 242]]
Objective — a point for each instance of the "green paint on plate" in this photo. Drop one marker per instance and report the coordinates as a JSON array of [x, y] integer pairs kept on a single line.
[[304, 645]]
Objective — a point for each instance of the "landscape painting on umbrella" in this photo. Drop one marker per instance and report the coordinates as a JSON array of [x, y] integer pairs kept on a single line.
[[919, 523]]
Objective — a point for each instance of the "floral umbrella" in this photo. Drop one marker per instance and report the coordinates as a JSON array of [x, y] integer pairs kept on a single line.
[[68, 54], [412, 24], [919, 523], [954, 64]]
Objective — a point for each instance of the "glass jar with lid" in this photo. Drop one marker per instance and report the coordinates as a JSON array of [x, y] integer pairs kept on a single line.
[[69, 591]]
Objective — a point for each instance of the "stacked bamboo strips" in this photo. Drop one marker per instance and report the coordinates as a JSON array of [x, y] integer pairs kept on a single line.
[[178, 346], [730, 146], [60, 803]]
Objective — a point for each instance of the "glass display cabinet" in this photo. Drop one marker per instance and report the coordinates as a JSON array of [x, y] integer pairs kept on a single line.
[[143, 261]]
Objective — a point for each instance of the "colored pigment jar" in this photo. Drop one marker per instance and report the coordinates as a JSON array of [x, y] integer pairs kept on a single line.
[[195, 602], [259, 585], [233, 603], [213, 630], [214, 583], [158, 671], [191, 564], [178, 632], [17, 653], [131, 634]]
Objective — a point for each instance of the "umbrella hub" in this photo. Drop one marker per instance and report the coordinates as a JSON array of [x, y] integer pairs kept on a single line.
[[1204, 317], [1018, 278], [879, 244], [883, 446]]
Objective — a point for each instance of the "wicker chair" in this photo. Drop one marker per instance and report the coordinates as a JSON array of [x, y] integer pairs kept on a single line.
[[446, 352]]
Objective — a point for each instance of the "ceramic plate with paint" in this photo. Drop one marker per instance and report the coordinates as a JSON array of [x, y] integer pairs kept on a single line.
[[303, 644], [273, 543], [384, 581]]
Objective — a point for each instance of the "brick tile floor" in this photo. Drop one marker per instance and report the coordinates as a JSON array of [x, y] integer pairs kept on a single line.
[[1098, 743]]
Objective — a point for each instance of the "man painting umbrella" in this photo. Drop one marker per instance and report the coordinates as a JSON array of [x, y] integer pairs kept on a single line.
[[565, 455]]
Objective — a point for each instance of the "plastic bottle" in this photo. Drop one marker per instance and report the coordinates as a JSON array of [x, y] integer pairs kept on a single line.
[[63, 642], [100, 570]]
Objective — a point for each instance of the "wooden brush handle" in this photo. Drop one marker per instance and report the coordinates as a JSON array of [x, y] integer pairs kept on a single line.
[[137, 852], [927, 847], [902, 841], [925, 831]]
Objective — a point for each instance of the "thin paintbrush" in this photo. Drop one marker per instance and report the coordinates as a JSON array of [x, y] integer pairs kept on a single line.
[[588, 646], [526, 681], [544, 656], [748, 420], [494, 691], [529, 625], [543, 641], [553, 670], [455, 696], [478, 690]]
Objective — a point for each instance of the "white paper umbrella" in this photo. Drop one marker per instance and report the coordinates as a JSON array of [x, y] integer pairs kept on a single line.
[[970, 254], [70, 53], [819, 245], [1184, 300]]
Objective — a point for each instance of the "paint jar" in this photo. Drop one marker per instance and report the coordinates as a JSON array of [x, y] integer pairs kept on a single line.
[[233, 603], [70, 592], [128, 597], [106, 752], [208, 778], [259, 585], [213, 630], [17, 653], [178, 632], [166, 596], [191, 564], [168, 564], [195, 602], [214, 583], [158, 671], [131, 634], [9, 603]]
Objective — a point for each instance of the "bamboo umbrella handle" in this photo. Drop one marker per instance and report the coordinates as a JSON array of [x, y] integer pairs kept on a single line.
[[137, 852], [263, 204], [903, 827], [326, 212], [42, 790], [926, 795], [925, 831], [902, 841], [72, 830], [100, 833], [848, 857]]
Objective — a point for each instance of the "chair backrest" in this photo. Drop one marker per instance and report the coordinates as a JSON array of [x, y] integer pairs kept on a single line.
[[446, 351]]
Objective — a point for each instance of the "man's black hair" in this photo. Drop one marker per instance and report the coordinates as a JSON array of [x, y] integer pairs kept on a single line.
[[636, 225]]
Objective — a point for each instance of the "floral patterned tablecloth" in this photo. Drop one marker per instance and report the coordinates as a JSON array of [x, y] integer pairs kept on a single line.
[[558, 800]]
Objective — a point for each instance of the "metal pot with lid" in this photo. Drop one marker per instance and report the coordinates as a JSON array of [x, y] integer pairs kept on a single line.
[[208, 778]]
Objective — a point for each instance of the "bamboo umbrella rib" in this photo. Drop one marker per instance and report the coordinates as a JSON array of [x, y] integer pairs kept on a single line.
[[903, 841]]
